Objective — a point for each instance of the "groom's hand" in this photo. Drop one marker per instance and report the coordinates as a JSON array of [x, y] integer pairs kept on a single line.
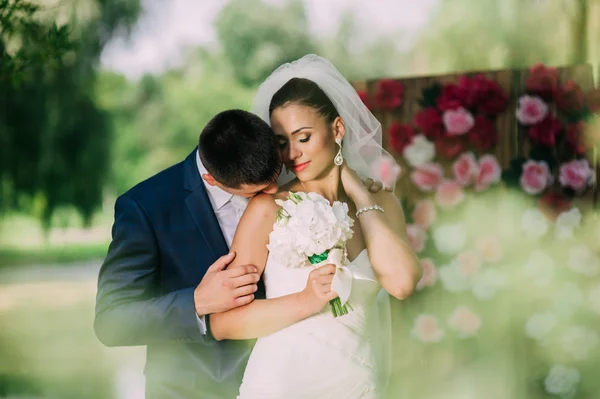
[[375, 186], [223, 289]]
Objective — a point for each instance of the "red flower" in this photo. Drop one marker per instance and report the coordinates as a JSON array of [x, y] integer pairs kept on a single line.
[[429, 121], [364, 97], [574, 137], [552, 205], [543, 81], [452, 97], [449, 147], [570, 97], [545, 132], [401, 135], [489, 97], [483, 134], [388, 94]]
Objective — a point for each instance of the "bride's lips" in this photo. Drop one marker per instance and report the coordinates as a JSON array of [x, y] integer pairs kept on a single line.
[[301, 166]]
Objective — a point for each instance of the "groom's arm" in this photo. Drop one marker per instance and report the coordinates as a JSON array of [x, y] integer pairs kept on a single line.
[[128, 309]]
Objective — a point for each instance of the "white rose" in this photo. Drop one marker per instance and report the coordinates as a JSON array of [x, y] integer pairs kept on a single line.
[[540, 268], [584, 261], [562, 381], [534, 223], [450, 238], [486, 283], [579, 341], [451, 277], [566, 223], [540, 324], [419, 151]]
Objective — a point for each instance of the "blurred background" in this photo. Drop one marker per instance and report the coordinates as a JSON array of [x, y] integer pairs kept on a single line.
[[97, 95]]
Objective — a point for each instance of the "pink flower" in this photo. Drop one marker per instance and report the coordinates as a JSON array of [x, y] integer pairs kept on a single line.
[[428, 176], [576, 175], [458, 121], [489, 249], [489, 172], [466, 169], [427, 329], [464, 321], [416, 237], [468, 263], [424, 213], [449, 194], [531, 110], [536, 177], [429, 274], [386, 170]]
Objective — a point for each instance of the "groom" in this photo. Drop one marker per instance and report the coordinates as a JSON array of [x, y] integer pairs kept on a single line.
[[166, 268]]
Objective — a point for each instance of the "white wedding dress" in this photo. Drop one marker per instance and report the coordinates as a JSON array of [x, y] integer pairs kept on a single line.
[[321, 356]]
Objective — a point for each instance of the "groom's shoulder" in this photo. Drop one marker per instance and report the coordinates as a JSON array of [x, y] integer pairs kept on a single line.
[[159, 185]]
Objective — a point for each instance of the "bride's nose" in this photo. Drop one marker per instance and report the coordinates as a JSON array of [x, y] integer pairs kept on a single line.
[[294, 152]]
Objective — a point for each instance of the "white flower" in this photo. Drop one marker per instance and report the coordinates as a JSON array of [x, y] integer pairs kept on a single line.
[[452, 278], [540, 324], [450, 238], [419, 151], [427, 329], [562, 381], [568, 299], [566, 223], [308, 225], [540, 268], [584, 261], [486, 283], [534, 223], [579, 341], [464, 321], [594, 299]]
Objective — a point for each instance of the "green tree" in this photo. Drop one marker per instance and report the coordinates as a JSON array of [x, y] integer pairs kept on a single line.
[[475, 35], [55, 139], [257, 37]]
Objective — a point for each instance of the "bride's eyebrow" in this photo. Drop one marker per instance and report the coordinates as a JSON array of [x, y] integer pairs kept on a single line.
[[300, 129]]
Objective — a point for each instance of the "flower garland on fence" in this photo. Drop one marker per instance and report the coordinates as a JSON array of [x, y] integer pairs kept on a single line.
[[553, 119], [472, 256]]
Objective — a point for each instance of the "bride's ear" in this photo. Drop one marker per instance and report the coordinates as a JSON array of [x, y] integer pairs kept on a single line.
[[338, 128]]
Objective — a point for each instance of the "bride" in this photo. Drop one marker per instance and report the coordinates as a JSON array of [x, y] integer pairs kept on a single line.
[[327, 137]]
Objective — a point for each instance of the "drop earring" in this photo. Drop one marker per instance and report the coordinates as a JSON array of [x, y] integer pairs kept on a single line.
[[339, 158]]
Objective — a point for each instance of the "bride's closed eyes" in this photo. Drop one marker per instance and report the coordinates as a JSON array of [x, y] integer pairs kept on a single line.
[[283, 141]]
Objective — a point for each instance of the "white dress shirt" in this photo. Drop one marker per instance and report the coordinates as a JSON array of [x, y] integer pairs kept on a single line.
[[228, 208]]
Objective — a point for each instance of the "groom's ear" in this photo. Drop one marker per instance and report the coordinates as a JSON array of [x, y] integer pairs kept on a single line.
[[207, 177]]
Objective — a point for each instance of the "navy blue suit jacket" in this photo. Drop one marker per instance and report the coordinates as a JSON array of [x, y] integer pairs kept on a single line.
[[164, 238]]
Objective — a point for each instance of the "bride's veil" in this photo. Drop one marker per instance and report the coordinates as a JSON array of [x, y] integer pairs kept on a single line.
[[361, 149]]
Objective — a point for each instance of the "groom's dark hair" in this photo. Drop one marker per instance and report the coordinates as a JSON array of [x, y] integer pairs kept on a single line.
[[237, 147]]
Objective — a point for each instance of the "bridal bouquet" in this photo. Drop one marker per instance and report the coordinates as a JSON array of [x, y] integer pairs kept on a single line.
[[309, 232]]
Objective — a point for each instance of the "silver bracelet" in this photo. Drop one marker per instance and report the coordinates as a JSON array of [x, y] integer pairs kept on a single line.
[[370, 208]]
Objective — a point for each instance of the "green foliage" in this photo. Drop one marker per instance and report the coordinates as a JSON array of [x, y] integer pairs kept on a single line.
[[257, 37], [55, 140], [476, 35], [25, 42]]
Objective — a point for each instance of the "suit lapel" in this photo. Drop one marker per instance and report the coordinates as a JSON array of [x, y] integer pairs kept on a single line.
[[201, 209]]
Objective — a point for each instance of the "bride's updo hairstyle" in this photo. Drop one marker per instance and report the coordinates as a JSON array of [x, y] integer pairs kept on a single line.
[[304, 92]]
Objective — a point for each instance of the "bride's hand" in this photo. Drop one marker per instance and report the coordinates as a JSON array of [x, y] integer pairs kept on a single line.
[[317, 292], [352, 183]]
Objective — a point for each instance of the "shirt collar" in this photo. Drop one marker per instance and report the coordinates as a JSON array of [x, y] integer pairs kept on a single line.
[[218, 197]]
